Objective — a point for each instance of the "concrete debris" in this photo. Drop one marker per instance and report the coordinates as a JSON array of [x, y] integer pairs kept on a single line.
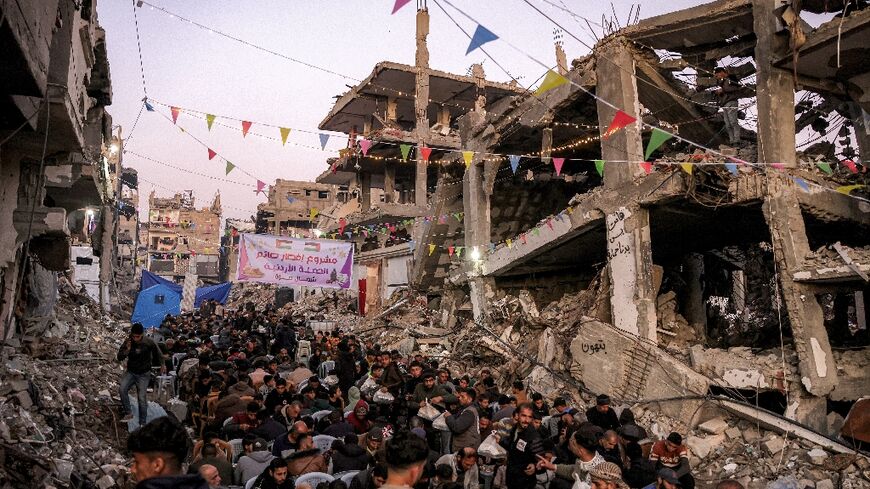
[[817, 456], [714, 426], [57, 416]]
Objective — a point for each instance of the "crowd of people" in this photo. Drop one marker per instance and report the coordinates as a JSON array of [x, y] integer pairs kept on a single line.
[[273, 404]]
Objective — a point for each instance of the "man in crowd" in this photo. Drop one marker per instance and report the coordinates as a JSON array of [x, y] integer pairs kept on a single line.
[[463, 464], [523, 445], [253, 463], [671, 454], [406, 456], [159, 449], [275, 476], [602, 415], [211, 475], [464, 426], [141, 354]]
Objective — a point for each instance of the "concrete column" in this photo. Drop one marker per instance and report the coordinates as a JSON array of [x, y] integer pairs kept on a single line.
[[776, 143], [790, 246], [188, 289], [365, 200], [389, 182], [774, 88], [392, 107], [617, 84], [694, 309], [421, 104], [738, 291], [629, 252], [107, 222]]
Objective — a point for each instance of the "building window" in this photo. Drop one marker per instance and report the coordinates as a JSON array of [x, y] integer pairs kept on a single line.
[[323, 194]]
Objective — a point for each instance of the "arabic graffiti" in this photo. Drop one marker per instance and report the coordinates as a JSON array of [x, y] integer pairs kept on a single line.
[[593, 348]]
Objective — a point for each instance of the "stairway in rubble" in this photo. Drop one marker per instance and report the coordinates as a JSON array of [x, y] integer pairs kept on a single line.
[[637, 362], [428, 270]]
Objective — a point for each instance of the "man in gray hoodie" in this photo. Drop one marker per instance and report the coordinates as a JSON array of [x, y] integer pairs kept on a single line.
[[254, 463]]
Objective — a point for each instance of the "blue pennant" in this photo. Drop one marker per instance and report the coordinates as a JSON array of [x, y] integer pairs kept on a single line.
[[515, 162], [732, 167], [481, 36], [149, 107], [802, 184], [323, 139], [290, 199]]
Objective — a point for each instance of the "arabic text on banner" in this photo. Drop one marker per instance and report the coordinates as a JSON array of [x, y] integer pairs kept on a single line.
[[291, 261]]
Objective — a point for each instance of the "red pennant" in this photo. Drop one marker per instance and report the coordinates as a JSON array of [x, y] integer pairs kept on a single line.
[[175, 111], [450, 250], [647, 167], [523, 237], [620, 120], [245, 126], [558, 162], [850, 165], [425, 152], [778, 166], [211, 153], [341, 224], [550, 223]]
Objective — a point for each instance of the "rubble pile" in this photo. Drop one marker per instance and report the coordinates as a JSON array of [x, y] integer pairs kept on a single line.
[[58, 399], [320, 306]]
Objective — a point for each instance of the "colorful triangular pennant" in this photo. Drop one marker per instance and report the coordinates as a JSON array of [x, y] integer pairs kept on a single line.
[[557, 163], [656, 139], [425, 152], [209, 120], [431, 249], [467, 156], [399, 4], [260, 186], [481, 36], [230, 167], [211, 154], [323, 140], [825, 167], [175, 111], [285, 131], [732, 167], [364, 145], [551, 81], [515, 162], [802, 184], [847, 189], [406, 150], [647, 167], [246, 125], [312, 213], [599, 167], [149, 107], [687, 167], [620, 120], [850, 165]]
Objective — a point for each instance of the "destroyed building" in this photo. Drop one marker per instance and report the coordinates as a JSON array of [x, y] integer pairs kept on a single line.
[[392, 119], [181, 237], [747, 283], [59, 160], [292, 206]]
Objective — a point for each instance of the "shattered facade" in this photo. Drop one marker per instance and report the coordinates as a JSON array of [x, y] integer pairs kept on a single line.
[[179, 233]]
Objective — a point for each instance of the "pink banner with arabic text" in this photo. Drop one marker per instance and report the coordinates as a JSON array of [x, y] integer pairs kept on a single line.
[[292, 261]]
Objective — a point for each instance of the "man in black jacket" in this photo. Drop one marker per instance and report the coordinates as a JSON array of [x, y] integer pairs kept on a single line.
[[602, 415], [141, 354], [523, 446]]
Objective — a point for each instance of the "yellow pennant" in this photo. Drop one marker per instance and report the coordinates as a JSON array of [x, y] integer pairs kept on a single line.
[[431, 249], [313, 213], [509, 242], [467, 156], [285, 131], [847, 189], [551, 81], [687, 167]]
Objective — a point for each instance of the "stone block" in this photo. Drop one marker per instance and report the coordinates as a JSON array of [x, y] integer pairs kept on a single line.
[[751, 435], [835, 424], [806, 484], [825, 484], [773, 445], [817, 456], [19, 385], [733, 433], [105, 482], [701, 447], [24, 400], [714, 426]]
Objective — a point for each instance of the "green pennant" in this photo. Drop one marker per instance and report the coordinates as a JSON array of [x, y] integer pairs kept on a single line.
[[656, 139], [599, 167], [406, 149], [209, 119], [230, 167], [825, 167]]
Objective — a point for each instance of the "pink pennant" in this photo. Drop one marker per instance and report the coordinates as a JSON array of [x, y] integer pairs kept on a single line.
[[523, 238], [450, 250], [558, 162], [850, 165], [260, 186], [425, 152], [245, 126], [341, 224], [175, 111], [399, 4], [778, 166], [211, 153], [550, 223], [620, 120], [364, 145], [647, 167]]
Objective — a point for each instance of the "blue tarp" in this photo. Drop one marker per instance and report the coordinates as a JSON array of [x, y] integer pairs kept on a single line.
[[159, 297]]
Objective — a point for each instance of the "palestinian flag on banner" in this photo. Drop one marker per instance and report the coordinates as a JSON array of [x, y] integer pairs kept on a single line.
[[309, 246], [283, 243]]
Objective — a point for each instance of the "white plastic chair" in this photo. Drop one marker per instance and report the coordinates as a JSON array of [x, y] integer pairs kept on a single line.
[[323, 442], [346, 476], [313, 479], [166, 385], [321, 414], [177, 358], [238, 449], [324, 368]]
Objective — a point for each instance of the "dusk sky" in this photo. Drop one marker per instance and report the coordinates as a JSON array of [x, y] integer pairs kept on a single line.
[[189, 67]]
